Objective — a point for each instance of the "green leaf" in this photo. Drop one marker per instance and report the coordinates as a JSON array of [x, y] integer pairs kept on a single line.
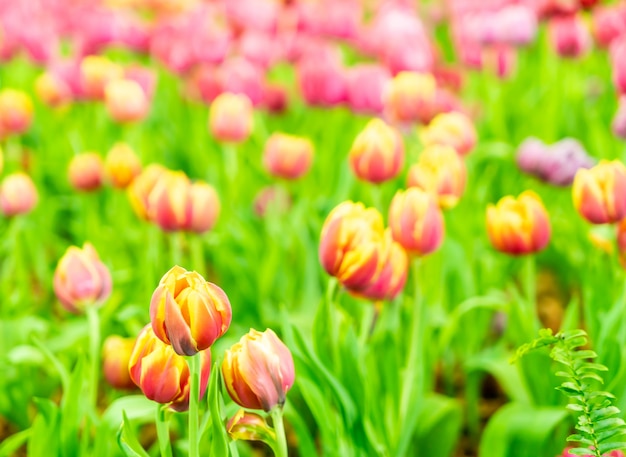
[[219, 438], [127, 440], [44, 437], [10, 445], [438, 426], [608, 447], [72, 409]]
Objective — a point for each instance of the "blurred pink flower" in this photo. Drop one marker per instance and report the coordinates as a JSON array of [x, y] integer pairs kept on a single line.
[[322, 82], [365, 85], [569, 36]]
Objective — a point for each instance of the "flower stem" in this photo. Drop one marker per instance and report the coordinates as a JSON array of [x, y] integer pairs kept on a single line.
[[194, 394], [93, 321], [279, 428], [163, 430]]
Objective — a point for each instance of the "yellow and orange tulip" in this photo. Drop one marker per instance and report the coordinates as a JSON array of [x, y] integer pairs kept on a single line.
[[86, 171], [287, 156], [599, 192], [116, 353], [18, 194], [121, 165], [231, 118], [452, 129]]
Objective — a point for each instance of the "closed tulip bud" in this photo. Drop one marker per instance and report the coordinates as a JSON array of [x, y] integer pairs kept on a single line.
[[390, 278], [141, 187], [52, 90], [86, 171], [377, 153], [126, 101], [169, 203], [450, 129], [410, 97], [569, 36], [258, 371], [205, 207], [18, 194], [231, 118], [599, 192], [248, 426], [121, 165], [441, 172], [116, 353], [188, 312], [518, 225], [350, 244], [416, 221], [287, 156], [16, 112], [96, 72], [161, 374], [81, 279]]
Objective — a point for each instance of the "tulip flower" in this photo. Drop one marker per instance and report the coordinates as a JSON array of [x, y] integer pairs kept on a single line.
[[126, 101], [231, 118], [18, 194], [322, 83], [350, 244], [258, 371], [440, 171], [86, 171], [81, 279], [205, 207], [287, 156], [390, 277], [248, 426], [518, 225], [416, 221], [121, 165], [141, 187], [569, 36], [377, 153], [169, 202], [409, 97], [116, 352], [16, 112], [365, 85], [161, 374], [450, 129], [96, 72], [52, 90], [598, 193], [188, 312]]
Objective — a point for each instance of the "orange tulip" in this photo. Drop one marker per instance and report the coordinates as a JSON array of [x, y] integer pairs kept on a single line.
[[86, 171], [16, 112], [452, 129], [126, 101], [410, 97], [287, 156], [18, 194], [52, 90], [390, 277], [518, 226], [599, 192], [169, 203], [116, 352], [205, 207], [248, 426], [231, 118], [121, 165], [141, 187], [95, 73]]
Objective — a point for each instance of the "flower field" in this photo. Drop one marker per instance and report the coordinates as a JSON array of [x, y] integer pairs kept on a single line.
[[312, 228]]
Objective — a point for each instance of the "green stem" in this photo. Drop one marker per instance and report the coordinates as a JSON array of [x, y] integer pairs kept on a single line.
[[279, 428], [231, 163], [176, 247], [197, 253], [194, 394], [529, 272], [93, 320], [163, 430]]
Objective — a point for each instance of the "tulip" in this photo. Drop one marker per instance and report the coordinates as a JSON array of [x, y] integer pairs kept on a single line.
[[161, 374], [16, 112], [410, 97], [287, 156], [86, 171], [618, 62], [141, 187], [322, 83], [18, 194], [450, 129], [569, 36], [390, 277], [188, 312], [169, 202], [518, 226], [126, 101], [530, 155], [52, 90], [96, 73], [416, 221], [377, 153], [81, 279], [619, 120], [350, 244], [248, 426], [609, 23], [275, 98], [205, 207], [258, 371], [598, 193], [231, 118], [116, 353], [366, 84], [239, 76], [121, 165], [440, 171]]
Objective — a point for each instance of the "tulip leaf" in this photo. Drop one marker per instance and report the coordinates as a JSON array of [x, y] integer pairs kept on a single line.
[[219, 438], [71, 414], [44, 437], [127, 440], [439, 426], [10, 445]]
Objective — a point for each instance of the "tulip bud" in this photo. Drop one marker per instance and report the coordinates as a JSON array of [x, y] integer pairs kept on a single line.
[[188, 312], [518, 226], [530, 155], [116, 353], [231, 118], [96, 72], [569, 36], [86, 171], [16, 112], [416, 221], [258, 371], [350, 244], [52, 90], [205, 207], [249, 426], [366, 84], [141, 187], [287, 156], [126, 101], [161, 374], [598, 193], [410, 97], [390, 277], [377, 153], [441, 172], [450, 129], [81, 279], [121, 165], [18, 194]]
